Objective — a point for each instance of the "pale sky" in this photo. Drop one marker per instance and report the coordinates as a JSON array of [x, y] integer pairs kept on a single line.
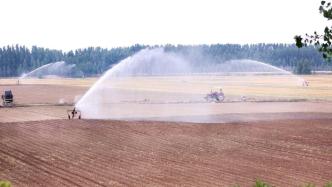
[[72, 24]]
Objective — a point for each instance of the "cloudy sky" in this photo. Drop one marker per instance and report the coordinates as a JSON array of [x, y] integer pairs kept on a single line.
[[71, 24]]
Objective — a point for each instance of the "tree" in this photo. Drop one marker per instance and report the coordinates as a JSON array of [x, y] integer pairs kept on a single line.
[[303, 68], [15, 60], [322, 41]]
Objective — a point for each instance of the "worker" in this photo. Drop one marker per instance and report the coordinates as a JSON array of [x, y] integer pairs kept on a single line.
[[74, 112], [305, 83]]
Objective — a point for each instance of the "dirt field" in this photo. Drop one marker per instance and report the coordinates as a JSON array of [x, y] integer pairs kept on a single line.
[[283, 143], [45, 94], [172, 99], [227, 112], [114, 153], [255, 87]]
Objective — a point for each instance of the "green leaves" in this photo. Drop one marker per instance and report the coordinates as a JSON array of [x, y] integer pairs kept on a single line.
[[260, 183], [298, 40], [5, 184], [329, 184], [324, 42], [310, 185], [325, 9]]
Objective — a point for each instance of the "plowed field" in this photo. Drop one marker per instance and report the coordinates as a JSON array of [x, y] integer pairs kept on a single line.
[[120, 153]]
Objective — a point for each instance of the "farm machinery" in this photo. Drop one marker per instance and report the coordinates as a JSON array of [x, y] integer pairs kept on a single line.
[[215, 96], [74, 114], [7, 99]]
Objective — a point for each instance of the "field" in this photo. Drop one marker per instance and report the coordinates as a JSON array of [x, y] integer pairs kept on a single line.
[[280, 133], [106, 153]]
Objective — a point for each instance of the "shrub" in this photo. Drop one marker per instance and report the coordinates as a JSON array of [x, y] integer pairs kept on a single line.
[[5, 184], [303, 68], [309, 185], [260, 183], [329, 184]]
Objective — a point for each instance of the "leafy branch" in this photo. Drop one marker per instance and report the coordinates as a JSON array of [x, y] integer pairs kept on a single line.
[[322, 41]]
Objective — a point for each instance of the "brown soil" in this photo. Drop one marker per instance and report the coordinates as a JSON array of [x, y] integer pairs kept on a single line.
[[44, 94], [115, 153], [284, 143]]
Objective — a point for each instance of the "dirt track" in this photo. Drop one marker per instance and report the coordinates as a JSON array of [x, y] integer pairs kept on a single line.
[[218, 113], [107, 153], [45, 94]]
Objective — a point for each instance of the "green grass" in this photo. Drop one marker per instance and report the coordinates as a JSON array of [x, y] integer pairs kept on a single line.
[[5, 184], [329, 184], [309, 185], [260, 183]]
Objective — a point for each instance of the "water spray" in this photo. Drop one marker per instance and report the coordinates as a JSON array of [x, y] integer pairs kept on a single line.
[[55, 69], [167, 81]]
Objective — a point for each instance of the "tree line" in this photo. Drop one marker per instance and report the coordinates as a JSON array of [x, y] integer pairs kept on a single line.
[[16, 60]]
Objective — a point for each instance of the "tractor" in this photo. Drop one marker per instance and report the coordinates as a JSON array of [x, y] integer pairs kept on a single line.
[[74, 114], [7, 99], [215, 96]]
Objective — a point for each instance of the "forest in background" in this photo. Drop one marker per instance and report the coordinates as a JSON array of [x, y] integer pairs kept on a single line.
[[16, 60]]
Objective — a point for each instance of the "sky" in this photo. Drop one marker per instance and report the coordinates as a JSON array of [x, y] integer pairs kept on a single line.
[[72, 24]]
